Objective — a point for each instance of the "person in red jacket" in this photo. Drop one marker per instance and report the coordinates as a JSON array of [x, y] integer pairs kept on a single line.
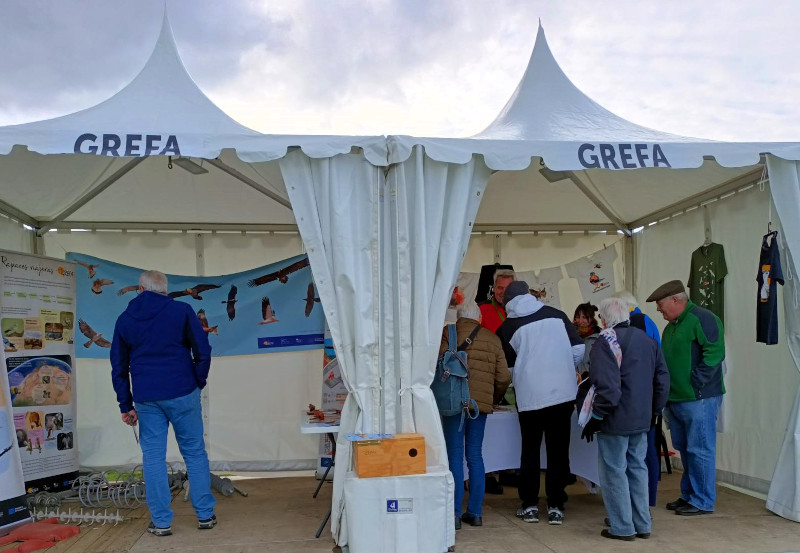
[[493, 312]]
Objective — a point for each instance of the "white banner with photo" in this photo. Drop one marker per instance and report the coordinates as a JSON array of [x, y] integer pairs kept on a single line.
[[37, 317]]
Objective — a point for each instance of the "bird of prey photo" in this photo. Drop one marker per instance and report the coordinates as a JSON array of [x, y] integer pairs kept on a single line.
[[97, 285], [267, 314], [94, 337], [310, 299], [281, 275], [201, 314], [89, 267], [125, 289], [230, 303], [194, 291]]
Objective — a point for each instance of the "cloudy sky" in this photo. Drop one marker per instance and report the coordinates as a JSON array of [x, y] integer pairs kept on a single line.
[[718, 69]]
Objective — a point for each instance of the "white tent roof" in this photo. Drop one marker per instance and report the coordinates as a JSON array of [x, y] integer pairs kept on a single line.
[[550, 121], [122, 174]]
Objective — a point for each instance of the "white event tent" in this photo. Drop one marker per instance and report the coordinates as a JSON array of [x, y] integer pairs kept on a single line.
[[386, 222]]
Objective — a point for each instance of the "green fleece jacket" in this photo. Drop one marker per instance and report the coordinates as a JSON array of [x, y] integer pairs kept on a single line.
[[694, 347]]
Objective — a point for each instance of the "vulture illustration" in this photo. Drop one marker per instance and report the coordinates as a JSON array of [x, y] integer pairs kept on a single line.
[[204, 322], [97, 285], [89, 268], [124, 290], [94, 337], [230, 303], [281, 275], [267, 314], [310, 299], [195, 291]]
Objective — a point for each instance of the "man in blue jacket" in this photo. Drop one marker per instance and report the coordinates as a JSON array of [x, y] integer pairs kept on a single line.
[[161, 349]]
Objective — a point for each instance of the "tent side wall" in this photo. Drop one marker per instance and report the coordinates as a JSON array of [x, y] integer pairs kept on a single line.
[[253, 402], [14, 237], [761, 380]]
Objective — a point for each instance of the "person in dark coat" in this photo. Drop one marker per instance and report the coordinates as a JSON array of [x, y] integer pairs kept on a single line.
[[631, 386]]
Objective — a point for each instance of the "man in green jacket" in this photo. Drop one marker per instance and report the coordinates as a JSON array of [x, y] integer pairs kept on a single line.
[[694, 347]]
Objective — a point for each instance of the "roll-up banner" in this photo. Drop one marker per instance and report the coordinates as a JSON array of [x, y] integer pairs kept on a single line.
[[37, 320]]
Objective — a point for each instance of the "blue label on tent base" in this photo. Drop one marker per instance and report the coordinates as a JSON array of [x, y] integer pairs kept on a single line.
[[400, 506]]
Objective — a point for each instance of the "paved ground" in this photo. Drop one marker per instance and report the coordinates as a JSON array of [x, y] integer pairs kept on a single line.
[[280, 515]]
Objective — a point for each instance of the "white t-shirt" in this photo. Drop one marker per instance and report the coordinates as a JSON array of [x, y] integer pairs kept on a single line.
[[595, 274]]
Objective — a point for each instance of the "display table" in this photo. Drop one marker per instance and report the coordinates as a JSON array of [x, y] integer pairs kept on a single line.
[[502, 446], [331, 429]]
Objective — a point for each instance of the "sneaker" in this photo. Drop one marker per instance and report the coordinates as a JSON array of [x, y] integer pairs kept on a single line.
[[555, 515], [156, 531], [528, 514], [207, 523]]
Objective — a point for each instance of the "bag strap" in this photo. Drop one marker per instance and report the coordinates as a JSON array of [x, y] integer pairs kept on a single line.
[[452, 337], [469, 339]]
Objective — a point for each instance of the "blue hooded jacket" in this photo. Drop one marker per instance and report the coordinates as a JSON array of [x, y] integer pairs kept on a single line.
[[160, 348]]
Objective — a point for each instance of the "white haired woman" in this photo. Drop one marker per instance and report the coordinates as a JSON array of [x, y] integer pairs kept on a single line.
[[631, 385]]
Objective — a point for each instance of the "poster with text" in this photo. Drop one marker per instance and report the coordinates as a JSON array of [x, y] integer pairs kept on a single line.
[[37, 320], [12, 482], [270, 308]]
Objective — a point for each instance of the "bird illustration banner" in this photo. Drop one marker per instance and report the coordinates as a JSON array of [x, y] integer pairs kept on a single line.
[[37, 318], [270, 308]]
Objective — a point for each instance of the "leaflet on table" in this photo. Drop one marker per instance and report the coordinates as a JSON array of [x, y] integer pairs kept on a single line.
[[37, 317]]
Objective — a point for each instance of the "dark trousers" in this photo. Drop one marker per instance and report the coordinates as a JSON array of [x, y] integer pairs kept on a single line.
[[555, 423]]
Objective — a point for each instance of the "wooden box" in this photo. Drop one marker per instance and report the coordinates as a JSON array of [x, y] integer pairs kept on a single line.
[[403, 454]]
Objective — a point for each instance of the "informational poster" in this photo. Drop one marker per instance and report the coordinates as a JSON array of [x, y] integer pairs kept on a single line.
[[334, 393], [12, 482], [270, 308], [37, 318]]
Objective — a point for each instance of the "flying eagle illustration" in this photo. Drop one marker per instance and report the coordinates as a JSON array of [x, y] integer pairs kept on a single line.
[[267, 314], [89, 267], [201, 314], [97, 285], [94, 337], [230, 303], [281, 275], [310, 299], [124, 290], [195, 291]]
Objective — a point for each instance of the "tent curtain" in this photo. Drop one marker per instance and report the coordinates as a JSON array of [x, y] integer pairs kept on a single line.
[[367, 232], [430, 208], [336, 208], [784, 179]]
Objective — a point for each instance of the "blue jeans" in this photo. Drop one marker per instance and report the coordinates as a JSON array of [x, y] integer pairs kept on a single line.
[[185, 414], [693, 425], [472, 435], [623, 479]]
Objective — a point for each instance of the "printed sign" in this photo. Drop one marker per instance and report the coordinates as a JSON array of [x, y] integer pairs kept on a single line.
[[271, 308]]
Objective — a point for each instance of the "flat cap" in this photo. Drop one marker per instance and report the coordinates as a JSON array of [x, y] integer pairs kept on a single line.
[[516, 288], [665, 290]]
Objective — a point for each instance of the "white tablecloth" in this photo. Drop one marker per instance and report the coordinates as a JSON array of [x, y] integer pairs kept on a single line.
[[502, 447]]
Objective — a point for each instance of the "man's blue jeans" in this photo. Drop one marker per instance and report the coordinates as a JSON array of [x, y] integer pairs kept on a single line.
[[693, 425], [623, 480], [471, 434], [185, 414]]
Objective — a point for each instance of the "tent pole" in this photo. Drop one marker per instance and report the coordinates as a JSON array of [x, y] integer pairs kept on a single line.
[[629, 251], [83, 200], [596, 201], [249, 182], [11, 211]]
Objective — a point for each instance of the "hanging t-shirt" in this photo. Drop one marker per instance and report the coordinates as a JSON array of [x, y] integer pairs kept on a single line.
[[595, 274], [769, 276], [544, 285], [706, 275]]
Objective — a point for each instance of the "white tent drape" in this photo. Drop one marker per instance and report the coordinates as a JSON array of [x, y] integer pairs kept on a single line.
[[385, 250], [784, 180]]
